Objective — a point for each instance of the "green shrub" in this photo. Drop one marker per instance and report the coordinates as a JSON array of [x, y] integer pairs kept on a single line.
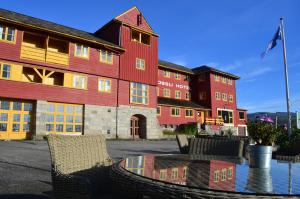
[[169, 132], [263, 133]]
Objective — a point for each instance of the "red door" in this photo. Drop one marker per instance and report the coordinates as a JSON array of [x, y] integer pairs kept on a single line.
[[134, 127]]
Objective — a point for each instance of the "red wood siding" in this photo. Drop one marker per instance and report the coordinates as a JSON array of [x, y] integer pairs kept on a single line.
[[93, 65], [11, 51], [124, 95], [240, 121], [172, 84], [131, 18], [13, 89], [201, 86], [166, 118], [149, 53]]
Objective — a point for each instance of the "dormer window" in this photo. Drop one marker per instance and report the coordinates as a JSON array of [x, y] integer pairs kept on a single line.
[[140, 37]]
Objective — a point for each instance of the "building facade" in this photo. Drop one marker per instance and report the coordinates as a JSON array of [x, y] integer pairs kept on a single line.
[[59, 80]]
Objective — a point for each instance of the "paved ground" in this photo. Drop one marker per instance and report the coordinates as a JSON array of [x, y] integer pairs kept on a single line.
[[25, 165]]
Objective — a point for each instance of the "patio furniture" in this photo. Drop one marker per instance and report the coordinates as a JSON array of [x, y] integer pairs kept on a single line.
[[182, 177], [183, 143], [210, 146], [79, 165]]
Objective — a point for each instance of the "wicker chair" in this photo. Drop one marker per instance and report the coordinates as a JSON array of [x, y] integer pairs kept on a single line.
[[183, 143], [216, 147], [80, 166]]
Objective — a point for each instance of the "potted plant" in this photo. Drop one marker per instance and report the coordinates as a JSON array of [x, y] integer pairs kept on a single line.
[[264, 134]]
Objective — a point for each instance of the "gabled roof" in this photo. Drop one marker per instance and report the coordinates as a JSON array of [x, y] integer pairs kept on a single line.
[[130, 17], [27, 21], [176, 67], [205, 68], [179, 103]]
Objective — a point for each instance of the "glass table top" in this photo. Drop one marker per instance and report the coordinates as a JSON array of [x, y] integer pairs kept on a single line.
[[218, 173]]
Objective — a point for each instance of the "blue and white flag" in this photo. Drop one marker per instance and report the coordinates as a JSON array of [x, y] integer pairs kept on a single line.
[[273, 42]]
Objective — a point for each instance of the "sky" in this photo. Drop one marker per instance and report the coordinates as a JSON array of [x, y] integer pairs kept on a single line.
[[226, 34]]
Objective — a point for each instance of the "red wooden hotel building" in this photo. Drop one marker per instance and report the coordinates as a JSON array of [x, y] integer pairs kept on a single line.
[[60, 80]]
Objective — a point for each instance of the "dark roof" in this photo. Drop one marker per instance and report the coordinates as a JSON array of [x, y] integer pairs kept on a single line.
[[179, 103], [52, 27], [204, 68], [173, 66]]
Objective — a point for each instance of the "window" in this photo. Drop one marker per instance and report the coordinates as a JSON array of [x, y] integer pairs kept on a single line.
[[187, 78], [187, 95], [242, 115], [184, 172], [217, 78], [175, 112], [106, 56], [139, 93], [174, 174], [64, 118], [167, 92], [230, 98], [229, 81], [189, 113], [230, 170], [177, 76], [224, 80], [177, 94], [81, 51], [226, 115], [5, 71], [140, 64], [218, 95], [223, 174], [79, 81], [140, 37], [224, 96], [202, 96], [216, 176], [104, 85], [167, 73], [7, 34], [158, 110], [162, 174]]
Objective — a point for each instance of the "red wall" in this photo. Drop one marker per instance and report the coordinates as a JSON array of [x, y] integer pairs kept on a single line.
[[173, 82], [222, 88], [149, 53], [35, 91], [166, 118], [11, 51], [239, 121], [201, 86]]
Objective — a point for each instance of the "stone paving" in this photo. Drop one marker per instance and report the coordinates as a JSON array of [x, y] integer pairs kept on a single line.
[[25, 165]]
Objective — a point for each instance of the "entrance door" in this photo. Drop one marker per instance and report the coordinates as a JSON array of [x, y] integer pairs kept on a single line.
[[15, 119], [135, 127]]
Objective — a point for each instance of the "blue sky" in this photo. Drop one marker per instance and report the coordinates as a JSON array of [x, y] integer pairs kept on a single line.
[[227, 34]]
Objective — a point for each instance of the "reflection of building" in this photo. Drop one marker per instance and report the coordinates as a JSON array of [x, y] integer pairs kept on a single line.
[[67, 81], [213, 174]]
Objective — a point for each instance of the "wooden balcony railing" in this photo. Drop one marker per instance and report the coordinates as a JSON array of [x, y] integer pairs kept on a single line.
[[214, 121], [44, 55]]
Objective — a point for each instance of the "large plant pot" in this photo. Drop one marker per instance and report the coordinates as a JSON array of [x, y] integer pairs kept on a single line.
[[260, 156]]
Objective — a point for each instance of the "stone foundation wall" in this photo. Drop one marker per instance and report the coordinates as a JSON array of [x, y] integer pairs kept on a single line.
[[39, 126], [100, 119], [153, 130]]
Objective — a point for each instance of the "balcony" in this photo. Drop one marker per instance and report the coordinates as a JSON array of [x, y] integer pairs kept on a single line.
[[44, 49], [214, 121]]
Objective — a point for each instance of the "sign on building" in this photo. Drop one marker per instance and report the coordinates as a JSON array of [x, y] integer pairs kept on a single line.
[[298, 120]]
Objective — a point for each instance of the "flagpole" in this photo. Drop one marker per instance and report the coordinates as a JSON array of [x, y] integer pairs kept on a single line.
[[289, 125]]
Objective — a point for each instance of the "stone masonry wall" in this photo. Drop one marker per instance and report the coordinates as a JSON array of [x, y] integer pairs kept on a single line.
[[39, 128]]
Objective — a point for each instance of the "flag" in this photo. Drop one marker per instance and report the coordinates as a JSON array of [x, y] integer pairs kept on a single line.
[[273, 42]]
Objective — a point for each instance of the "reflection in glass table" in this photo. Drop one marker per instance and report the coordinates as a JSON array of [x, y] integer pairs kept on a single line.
[[218, 173]]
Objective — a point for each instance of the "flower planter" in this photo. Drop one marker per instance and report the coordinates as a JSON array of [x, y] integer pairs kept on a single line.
[[260, 156]]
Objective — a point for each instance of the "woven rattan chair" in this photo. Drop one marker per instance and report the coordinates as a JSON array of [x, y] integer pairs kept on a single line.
[[80, 166], [183, 143], [210, 146]]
